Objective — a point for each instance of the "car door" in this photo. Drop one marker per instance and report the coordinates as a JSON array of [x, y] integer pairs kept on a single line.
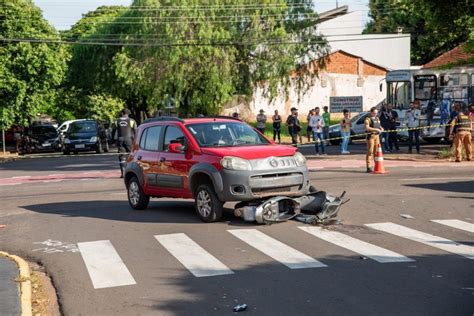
[[148, 158], [174, 168], [359, 127]]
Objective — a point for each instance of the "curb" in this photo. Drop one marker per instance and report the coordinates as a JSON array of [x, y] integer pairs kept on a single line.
[[25, 283]]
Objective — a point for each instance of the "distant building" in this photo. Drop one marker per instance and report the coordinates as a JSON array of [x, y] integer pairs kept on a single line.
[[455, 57]]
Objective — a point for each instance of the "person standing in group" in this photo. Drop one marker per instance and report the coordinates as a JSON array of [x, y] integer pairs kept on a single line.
[[125, 129], [276, 118], [327, 122], [373, 129], [413, 123], [261, 121], [456, 109], [385, 121], [293, 124], [309, 129], [462, 137], [316, 122], [392, 136], [346, 125]]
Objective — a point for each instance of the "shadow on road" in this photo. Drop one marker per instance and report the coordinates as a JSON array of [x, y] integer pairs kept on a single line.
[[459, 187], [348, 285], [157, 212]]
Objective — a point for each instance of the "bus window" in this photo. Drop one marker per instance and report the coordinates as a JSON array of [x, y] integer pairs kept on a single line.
[[454, 87], [425, 87], [398, 94]]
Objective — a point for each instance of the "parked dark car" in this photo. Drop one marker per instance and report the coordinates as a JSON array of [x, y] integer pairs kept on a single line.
[[85, 135], [42, 138]]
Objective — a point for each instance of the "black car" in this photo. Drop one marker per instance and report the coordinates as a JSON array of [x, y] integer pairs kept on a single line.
[[42, 138], [85, 135]]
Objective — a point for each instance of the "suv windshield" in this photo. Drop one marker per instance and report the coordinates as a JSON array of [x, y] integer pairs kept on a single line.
[[225, 134], [83, 127], [45, 130]]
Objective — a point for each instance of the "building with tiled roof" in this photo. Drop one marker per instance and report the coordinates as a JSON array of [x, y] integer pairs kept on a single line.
[[456, 56]]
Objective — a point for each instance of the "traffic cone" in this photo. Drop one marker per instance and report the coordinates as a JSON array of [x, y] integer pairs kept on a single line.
[[379, 168]]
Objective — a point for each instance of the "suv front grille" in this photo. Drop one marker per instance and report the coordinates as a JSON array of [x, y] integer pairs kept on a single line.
[[276, 183]]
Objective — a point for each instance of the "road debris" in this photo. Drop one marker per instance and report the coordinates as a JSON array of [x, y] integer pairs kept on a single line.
[[2, 226], [363, 258], [240, 308], [406, 216]]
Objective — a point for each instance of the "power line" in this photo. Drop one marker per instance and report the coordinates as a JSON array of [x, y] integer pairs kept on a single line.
[[189, 43]]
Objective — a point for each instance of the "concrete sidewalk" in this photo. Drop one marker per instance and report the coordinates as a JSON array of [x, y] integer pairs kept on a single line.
[[9, 287]]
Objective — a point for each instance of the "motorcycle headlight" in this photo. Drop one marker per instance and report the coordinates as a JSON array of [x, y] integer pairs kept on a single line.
[[67, 141], [300, 159], [235, 163], [93, 139]]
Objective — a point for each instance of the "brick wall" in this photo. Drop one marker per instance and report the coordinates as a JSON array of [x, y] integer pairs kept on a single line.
[[343, 63]]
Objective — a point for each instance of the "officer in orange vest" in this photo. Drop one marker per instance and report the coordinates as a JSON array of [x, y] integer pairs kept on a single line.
[[373, 129], [463, 135]]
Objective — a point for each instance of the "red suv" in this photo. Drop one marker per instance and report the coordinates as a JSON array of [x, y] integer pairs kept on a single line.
[[213, 160]]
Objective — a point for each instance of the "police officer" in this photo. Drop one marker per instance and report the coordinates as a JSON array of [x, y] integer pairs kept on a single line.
[[463, 125], [125, 128], [373, 129]]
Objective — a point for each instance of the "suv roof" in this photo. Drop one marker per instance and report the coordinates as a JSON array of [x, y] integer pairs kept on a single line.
[[192, 120]]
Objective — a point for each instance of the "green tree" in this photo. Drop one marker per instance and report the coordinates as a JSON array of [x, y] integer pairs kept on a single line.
[[436, 26], [29, 72], [199, 53], [87, 90]]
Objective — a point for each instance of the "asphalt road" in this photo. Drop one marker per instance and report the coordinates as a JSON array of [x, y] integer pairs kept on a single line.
[[79, 202]]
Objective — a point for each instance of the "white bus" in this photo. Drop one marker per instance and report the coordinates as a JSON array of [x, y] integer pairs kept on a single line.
[[436, 89]]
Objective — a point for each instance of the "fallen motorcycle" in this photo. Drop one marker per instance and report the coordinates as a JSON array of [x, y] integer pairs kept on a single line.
[[317, 208]]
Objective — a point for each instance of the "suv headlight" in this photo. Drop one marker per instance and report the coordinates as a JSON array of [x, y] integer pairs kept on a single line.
[[93, 139], [235, 163], [300, 159]]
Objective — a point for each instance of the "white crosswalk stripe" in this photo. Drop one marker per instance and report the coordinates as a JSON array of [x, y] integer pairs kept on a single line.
[[196, 259], [275, 249], [425, 238], [455, 223], [105, 267], [374, 252]]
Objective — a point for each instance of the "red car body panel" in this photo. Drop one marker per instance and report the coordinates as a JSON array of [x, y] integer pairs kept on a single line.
[[167, 165]]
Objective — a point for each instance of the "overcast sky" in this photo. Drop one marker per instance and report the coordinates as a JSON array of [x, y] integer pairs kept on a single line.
[[63, 14]]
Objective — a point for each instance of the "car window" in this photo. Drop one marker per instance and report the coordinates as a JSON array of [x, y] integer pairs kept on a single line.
[[83, 127], [151, 138], [173, 135], [226, 134], [362, 119], [143, 139]]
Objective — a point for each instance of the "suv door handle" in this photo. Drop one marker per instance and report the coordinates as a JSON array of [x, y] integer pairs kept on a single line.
[[162, 159]]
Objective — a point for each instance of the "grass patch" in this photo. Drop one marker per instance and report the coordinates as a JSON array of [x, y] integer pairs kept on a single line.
[[450, 153]]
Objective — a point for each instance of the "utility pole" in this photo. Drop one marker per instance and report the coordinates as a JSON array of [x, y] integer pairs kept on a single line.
[[3, 141], [337, 4]]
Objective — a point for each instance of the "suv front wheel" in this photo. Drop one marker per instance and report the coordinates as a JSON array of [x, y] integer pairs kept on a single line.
[[137, 199], [209, 208]]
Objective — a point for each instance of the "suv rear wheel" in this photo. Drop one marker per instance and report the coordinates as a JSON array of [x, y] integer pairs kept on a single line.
[[209, 208], [137, 199]]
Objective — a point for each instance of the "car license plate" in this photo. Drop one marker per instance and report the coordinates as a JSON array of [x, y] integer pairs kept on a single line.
[[80, 146], [46, 145]]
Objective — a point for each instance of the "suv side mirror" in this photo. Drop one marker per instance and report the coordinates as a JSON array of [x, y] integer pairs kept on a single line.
[[176, 148]]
